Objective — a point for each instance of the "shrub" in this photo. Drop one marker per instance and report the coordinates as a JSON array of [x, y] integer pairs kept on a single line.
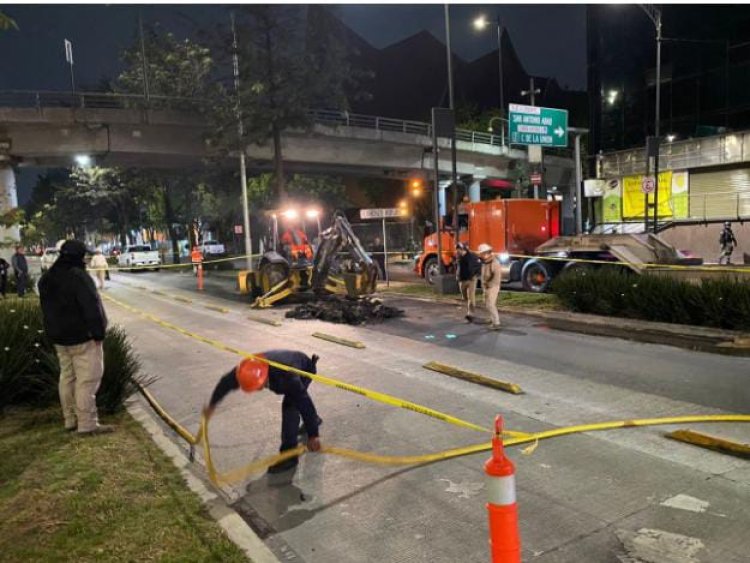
[[29, 370], [722, 303]]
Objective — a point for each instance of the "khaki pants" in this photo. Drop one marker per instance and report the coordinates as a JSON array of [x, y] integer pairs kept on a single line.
[[100, 275], [81, 370], [490, 303], [469, 293]]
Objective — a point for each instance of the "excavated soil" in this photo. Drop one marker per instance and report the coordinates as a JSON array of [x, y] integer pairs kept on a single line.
[[345, 311]]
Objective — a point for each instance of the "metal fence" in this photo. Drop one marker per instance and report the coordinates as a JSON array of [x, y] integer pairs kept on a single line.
[[729, 148], [108, 100]]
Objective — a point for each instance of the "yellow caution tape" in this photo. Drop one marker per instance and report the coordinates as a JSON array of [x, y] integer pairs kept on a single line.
[[118, 268], [645, 265], [368, 393], [516, 438]]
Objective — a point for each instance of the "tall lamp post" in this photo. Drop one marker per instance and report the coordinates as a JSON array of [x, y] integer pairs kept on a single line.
[[480, 24], [654, 15], [454, 176]]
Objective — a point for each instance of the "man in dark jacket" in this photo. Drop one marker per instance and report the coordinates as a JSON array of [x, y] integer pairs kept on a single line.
[[254, 374], [21, 270], [469, 267], [74, 320]]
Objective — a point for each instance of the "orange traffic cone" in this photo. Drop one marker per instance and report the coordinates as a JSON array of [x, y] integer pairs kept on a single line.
[[505, 541], [200, 276]]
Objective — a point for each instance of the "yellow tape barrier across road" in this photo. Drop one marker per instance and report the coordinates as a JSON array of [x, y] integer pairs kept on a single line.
[[515, 438]]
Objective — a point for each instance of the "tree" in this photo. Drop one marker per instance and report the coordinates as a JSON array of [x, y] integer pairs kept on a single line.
[[287, 66], [174, 68]]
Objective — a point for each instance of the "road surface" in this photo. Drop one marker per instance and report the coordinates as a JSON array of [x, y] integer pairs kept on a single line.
[[609, 496]]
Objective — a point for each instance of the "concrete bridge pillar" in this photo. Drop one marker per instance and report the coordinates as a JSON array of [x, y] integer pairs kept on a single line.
[[475, 191], [8, 201]]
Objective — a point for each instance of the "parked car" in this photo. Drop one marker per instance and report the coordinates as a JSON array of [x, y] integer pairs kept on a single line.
[[49, 255], [212, 248], [140, 255]]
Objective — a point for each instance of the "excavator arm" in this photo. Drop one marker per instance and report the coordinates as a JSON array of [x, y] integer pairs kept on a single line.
[[356, 274]]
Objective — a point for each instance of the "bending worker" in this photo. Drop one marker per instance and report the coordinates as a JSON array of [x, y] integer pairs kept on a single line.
[[254, 374]]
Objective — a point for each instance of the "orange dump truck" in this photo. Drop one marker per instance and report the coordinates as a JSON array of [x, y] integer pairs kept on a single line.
[[509, 226]]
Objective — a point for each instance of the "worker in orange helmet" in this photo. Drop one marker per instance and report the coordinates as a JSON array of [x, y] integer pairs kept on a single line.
[[196, 257], [254, 374]]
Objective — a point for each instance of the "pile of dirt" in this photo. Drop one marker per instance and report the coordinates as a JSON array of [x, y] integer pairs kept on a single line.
[[345, 311]]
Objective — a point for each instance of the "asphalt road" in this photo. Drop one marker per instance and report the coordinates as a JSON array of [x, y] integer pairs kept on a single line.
[[701, 378], [627, 496]]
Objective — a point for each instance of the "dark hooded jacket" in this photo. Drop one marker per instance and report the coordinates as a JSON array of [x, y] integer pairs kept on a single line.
[[73, 312]]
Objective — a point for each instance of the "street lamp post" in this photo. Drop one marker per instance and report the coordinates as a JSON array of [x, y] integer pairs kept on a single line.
[[654, 15], [454, 175], [480, 24]]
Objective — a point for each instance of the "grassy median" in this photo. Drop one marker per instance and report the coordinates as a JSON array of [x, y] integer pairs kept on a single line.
[[112, 497]]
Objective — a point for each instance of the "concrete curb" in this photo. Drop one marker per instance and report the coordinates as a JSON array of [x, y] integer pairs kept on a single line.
[[703, 339], [230, 521]]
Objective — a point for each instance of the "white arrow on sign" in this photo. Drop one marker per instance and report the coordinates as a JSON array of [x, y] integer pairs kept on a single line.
[[559, 131]]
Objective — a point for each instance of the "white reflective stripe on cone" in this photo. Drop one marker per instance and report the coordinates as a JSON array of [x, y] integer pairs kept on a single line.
[[501, 490]]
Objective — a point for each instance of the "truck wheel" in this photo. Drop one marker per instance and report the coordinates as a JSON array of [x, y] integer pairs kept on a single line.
[[536, 276], [431, 270]]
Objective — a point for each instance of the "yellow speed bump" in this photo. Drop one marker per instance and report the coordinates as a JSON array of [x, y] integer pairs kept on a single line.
[[216, 308], [474, 378], [269, 322], [183, 299], [338, 340], [711, 442], [157, 292]]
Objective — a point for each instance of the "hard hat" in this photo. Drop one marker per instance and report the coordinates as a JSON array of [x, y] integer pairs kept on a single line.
[[251, 374], [484, 247], [727, 224]]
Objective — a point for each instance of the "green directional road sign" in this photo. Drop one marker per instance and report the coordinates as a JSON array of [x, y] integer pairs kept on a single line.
[[532, 125]]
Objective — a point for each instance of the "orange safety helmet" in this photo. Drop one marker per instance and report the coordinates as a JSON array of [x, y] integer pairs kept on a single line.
[[252, 374]]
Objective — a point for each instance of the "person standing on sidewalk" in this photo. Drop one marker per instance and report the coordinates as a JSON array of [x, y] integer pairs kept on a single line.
[[727, 241], [254, 374], [468, 271], [491, 279], [21, 270], [100, 267], [75, 321]]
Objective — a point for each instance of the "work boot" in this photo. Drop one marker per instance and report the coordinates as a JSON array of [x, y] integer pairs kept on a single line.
[[98, 429], [495, 327], [283, 466]]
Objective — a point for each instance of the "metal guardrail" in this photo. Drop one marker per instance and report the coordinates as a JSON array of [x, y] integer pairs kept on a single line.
[[109, 100], [728, 148]]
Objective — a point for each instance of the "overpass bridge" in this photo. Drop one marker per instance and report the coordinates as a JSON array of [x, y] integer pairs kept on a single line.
[[52, 128]]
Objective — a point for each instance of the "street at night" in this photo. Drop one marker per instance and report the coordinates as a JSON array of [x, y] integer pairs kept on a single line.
[[375, 283]]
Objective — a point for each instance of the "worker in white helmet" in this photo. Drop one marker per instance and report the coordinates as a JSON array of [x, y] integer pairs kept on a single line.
[[492, 276]]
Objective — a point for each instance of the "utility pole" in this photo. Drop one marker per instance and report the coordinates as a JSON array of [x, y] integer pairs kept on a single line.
[[654, 15], [454, 175], [241, 146], [531, 92], [578, 133]]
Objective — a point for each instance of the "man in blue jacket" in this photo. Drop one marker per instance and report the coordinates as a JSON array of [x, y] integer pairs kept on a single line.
[[74, 320], [254, 374]]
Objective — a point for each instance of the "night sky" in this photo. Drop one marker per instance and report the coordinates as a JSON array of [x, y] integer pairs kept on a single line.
[[549, 39]]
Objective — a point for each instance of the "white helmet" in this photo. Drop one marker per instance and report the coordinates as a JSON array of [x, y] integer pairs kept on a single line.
[[484, 247]]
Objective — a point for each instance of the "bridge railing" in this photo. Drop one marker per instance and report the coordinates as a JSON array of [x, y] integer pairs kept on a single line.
[[40, 99]]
